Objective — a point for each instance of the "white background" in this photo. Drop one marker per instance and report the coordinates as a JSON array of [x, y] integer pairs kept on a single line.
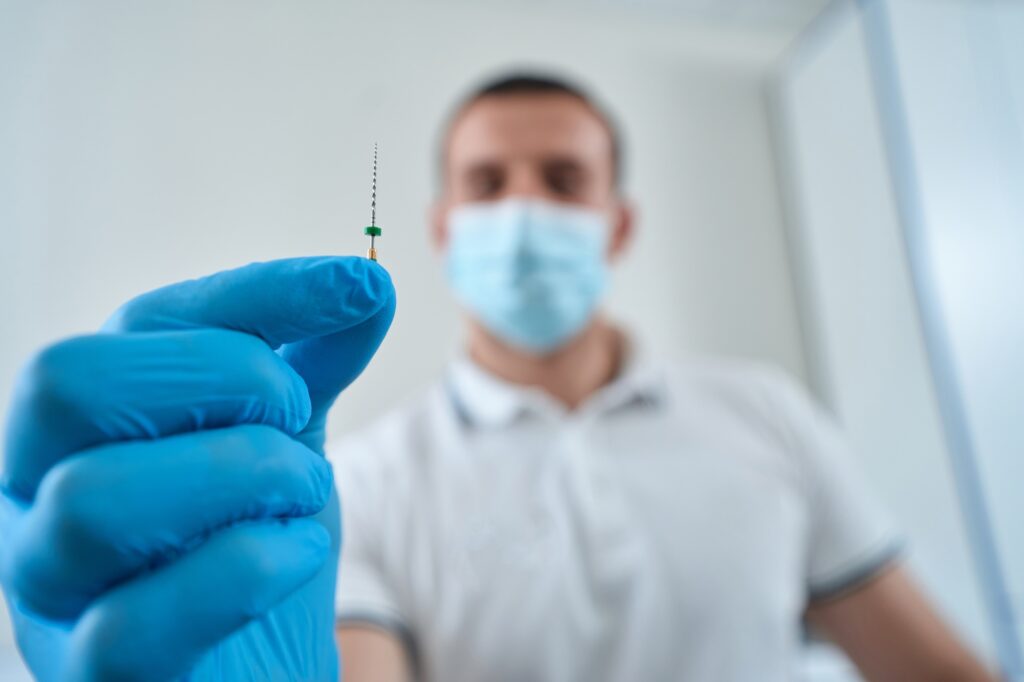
[[970, 165], [871, 356], [960, 75]]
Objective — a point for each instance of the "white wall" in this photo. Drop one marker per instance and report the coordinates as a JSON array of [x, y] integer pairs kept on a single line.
[[966, 60], [147, 142], [866, 339]]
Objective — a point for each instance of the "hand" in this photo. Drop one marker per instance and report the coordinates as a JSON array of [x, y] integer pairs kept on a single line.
[[166, 509]]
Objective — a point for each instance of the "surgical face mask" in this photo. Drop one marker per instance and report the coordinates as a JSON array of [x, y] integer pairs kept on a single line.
[[531, 271]]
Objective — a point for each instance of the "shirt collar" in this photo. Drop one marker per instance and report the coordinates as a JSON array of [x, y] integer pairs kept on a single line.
[[485, 400]]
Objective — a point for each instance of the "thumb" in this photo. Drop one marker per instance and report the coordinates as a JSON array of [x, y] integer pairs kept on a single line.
[[281, 301], [330, 363], [327, 315]]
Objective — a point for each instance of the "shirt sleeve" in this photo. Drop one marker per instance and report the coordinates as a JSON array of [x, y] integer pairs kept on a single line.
[[851, 538], [367, 591]]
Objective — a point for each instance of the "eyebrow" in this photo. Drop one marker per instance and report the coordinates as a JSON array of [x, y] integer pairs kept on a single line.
[[564, 162], [547, 161], [477, 166]]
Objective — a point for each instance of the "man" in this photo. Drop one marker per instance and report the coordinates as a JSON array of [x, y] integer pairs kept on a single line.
[[561, 507], [558, 508]]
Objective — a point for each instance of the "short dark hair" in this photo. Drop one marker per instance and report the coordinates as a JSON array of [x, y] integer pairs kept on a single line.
[[527, 83]]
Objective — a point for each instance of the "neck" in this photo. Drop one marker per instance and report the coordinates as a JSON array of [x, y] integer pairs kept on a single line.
[[570, 374]]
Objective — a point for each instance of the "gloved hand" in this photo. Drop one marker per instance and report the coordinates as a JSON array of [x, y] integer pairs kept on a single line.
[[166, 509]]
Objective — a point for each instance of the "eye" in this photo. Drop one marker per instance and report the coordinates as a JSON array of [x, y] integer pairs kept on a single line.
[[485, 182], [565, 179]]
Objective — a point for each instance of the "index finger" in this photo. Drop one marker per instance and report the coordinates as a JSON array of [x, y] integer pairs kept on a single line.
[[281, 301]]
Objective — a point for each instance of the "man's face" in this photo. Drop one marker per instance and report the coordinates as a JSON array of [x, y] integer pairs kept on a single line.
[[539, 146]]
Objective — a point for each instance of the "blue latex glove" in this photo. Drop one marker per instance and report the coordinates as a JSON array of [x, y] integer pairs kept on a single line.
[[166, 510]]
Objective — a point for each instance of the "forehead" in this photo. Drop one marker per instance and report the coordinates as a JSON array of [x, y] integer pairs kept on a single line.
[[527, 125]]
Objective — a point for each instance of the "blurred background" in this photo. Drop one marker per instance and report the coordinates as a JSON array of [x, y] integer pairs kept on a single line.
[[837, 188]]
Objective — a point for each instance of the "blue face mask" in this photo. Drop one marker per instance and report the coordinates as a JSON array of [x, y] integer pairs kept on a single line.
[[531, 271]]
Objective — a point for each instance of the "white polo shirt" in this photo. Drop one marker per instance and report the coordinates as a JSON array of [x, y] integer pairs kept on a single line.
[[672, 528]]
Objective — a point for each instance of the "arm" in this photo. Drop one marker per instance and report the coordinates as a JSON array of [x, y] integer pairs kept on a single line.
[[372, 655], [891, 632]]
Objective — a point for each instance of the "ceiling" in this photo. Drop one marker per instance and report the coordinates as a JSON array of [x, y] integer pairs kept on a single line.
[[754, 30], [774, 15]]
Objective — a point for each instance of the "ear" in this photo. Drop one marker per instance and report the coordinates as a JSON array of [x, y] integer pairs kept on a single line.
[[623, 226], [438, 220]]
